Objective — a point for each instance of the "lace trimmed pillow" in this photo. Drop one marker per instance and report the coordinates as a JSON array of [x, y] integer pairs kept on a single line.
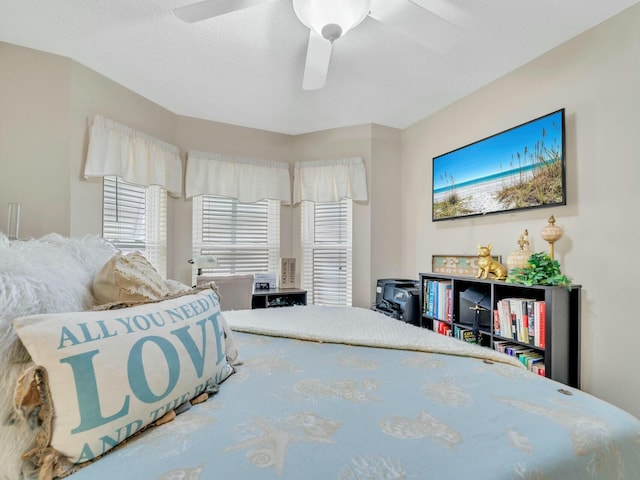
[[106, 375], [131, 278]]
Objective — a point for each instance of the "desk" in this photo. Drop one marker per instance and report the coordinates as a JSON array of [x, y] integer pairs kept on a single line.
[[278, 297]]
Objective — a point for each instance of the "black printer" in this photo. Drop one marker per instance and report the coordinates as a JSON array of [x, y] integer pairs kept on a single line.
[[398, 298]]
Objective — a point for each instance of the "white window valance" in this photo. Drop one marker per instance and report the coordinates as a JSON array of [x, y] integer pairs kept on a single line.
[[330, 180], [247, 180], [115, 149]]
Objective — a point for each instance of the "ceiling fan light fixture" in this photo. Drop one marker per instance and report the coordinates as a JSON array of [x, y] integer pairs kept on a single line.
[[331, 18], [331, 31]]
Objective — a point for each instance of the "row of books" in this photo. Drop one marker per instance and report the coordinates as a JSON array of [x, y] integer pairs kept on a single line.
[[437, 299], [441, 327], [532, 359], [467, 335], [461, 333], [521, 319]]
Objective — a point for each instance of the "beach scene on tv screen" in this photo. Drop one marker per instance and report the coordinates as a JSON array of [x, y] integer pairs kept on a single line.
[[519, 168]]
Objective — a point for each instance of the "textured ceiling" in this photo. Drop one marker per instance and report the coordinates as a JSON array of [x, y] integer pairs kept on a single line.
[[245, 68]]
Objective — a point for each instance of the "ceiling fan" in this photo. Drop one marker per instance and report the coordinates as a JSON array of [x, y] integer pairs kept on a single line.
[[429, 22]]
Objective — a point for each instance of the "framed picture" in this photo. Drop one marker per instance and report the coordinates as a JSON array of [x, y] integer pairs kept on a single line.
[[523, 167], [465, 265]]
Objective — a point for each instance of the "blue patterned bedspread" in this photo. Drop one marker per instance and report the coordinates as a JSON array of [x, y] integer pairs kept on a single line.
[[308, 410]]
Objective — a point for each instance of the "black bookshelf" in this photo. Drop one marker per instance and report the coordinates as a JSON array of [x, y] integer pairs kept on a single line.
[[561, 349]]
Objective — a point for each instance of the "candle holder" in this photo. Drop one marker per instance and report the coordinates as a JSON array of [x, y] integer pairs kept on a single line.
[[551, 233], [13, 221]]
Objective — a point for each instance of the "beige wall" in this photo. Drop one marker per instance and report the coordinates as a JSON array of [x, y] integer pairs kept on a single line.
[[386, 204], [35, 139], [595, 77]]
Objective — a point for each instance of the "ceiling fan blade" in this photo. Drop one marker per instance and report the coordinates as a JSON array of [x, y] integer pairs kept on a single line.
[[317, 63], [213, 8], [417, 22]]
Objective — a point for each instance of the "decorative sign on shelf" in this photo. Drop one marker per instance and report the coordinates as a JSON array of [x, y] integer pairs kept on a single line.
[[287, 272], [466, 265]]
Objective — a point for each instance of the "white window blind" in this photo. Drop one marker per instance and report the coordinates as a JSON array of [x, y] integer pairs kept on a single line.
[[245, 237], [327, 252], [134, 218]]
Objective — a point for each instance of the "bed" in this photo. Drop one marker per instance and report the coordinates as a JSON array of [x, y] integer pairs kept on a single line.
[[348, 393]]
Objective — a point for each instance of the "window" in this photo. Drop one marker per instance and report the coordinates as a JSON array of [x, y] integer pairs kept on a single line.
[[326, 247], [245, 237], [134, 218]]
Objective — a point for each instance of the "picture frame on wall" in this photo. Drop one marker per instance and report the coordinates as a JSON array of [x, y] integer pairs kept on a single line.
[[520, 168]]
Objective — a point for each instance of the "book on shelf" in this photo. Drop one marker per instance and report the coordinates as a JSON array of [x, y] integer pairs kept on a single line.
[[500, 345], [530, 358], [532, 321], [536, 363], [536, 323], [518, 308], [449, 302], [524, 334], [441, 327], [539, 369], [437, 299], [466, 335], [429, 297], [515, 308], [516, 349], [541, 320], [504, 316], [496, 322], [520, 319], [536, 326]]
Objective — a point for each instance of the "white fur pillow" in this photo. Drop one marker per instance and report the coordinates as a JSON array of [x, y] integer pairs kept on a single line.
[[49, 274], [108, 374]]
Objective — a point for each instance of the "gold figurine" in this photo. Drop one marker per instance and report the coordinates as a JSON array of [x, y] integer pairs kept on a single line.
[[519, 258], [523, 241], [488, 265]]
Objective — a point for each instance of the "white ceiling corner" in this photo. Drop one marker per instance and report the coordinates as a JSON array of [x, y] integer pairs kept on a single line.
[[245, 68]]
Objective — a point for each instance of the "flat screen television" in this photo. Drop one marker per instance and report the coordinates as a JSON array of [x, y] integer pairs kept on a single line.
[[522, 167]]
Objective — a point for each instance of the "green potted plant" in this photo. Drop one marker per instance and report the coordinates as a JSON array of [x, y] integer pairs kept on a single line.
[[541, 269]]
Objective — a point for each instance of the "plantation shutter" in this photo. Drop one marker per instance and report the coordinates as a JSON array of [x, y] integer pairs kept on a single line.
[[327, 252], [245, 237], [134, 219]]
